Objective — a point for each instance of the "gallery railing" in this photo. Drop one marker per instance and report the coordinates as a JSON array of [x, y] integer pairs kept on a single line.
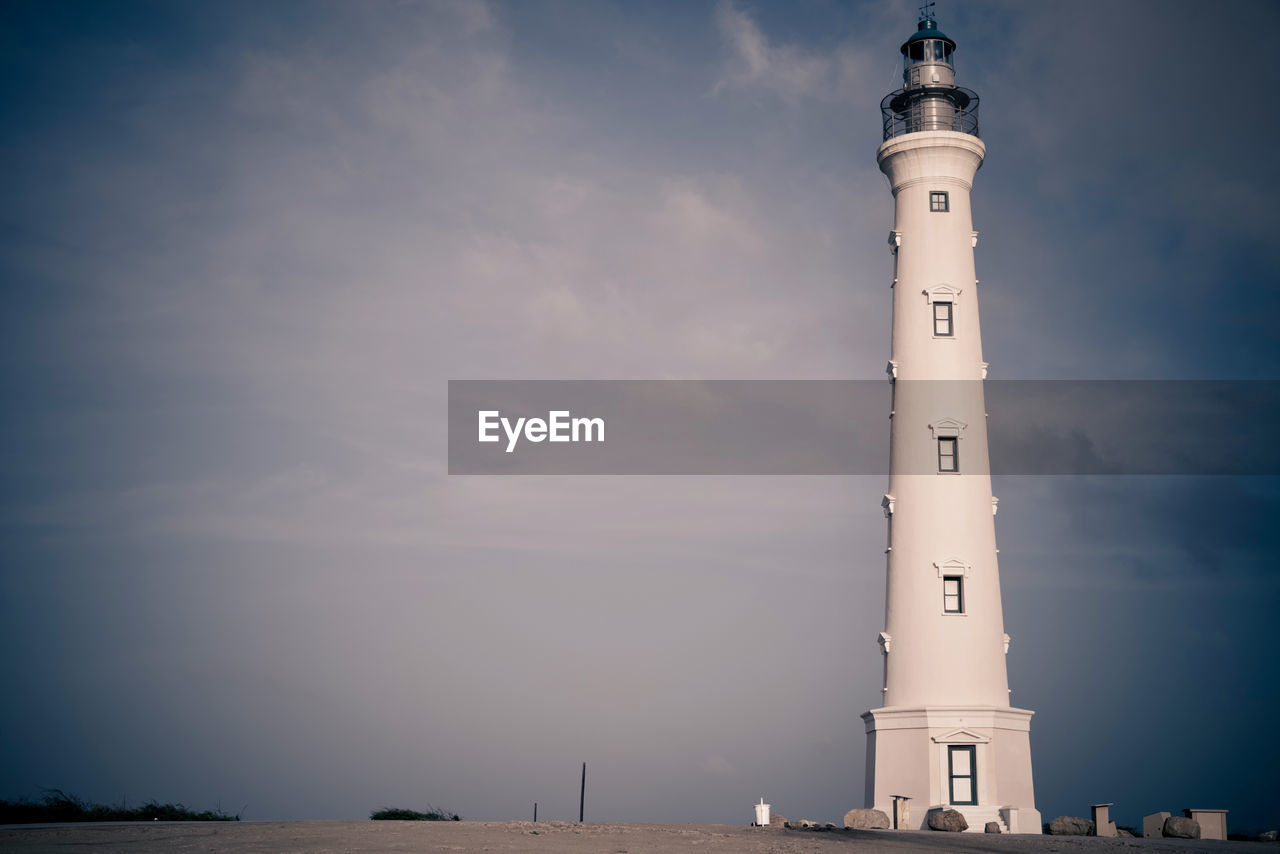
[[951, 108]]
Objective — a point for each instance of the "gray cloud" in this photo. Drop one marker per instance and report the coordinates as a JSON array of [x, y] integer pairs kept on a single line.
[[245, 250]]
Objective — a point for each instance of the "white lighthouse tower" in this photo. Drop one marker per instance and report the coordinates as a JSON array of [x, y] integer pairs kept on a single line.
[[946, 736]]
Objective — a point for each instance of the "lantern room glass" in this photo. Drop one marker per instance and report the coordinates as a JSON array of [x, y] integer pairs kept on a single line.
[[928, 50]]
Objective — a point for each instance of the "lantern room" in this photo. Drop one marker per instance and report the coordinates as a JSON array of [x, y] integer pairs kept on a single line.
[[928, 57]]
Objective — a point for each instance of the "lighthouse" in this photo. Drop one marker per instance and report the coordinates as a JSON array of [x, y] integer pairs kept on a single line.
[[946, 735]]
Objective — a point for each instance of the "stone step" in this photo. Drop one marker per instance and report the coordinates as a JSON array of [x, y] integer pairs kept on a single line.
[[978, 816]]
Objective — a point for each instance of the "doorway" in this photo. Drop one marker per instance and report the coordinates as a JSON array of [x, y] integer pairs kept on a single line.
[[962, 769]]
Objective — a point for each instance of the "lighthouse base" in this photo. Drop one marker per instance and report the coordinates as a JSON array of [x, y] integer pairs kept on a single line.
[[972, 759]]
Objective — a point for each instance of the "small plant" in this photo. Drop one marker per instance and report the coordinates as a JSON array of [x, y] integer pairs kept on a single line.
[[58, 806], [400, 814]]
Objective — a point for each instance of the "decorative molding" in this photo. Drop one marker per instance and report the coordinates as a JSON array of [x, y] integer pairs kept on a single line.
[[942, 293], [961, 736], [895, 240], [1006, 646], [945, 718], [995, 505], [892, 369], [947, 427], [887, 503], [885, 640], [983, 366], [952, 566], [973, 235]]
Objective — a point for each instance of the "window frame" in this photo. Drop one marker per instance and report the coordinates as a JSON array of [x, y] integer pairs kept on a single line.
[[954, 455], [950, 319], [959, 594], [936, 196]]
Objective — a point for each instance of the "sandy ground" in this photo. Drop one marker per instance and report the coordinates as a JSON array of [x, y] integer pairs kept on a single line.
[[524, 837]]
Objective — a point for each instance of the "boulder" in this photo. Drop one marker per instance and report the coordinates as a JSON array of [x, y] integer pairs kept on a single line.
[[1270, 836], [1070, 825], [1181, 827], [777, 820], [866, 820], [992, 827], [948, 820], [1124, 831]]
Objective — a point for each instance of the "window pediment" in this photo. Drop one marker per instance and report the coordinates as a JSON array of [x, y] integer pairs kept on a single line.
[[952, 566], [941, 293], [944, 427], [961, 736]]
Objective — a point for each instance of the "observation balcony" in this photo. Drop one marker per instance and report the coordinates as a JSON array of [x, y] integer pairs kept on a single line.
[[930, 108]]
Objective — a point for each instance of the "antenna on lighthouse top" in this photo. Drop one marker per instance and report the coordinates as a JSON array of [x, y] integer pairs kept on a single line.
[[927, 18]]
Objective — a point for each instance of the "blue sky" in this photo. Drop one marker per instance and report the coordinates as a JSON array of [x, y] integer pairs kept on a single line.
[[244, 247]]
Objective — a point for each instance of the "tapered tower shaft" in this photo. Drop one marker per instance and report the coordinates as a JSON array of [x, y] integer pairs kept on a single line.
[[946, 735]]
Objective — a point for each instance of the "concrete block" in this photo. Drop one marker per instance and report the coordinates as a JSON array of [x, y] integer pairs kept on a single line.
[[1153, 825], [1213, 823]]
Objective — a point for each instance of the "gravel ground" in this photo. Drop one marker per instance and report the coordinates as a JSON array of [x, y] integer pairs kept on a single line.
[[524, 837]]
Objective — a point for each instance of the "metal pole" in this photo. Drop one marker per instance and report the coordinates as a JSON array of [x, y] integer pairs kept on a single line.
[[582, 797], [535, 810]]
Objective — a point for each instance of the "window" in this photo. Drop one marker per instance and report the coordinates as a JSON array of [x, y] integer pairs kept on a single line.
[[942, 318], [952, 594], [939, 201], [964, 774], [948, 453]]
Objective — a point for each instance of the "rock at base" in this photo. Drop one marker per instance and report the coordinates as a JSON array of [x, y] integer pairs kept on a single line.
[[866, 820], [1270, 836], [948, 820], [776, 820], [1070, 825], [1182, 827], [992, 827]]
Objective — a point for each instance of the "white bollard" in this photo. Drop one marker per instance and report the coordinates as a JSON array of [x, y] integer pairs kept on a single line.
[[762, 813]]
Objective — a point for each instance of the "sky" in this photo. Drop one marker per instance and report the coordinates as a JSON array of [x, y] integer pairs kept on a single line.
[[244, 247]]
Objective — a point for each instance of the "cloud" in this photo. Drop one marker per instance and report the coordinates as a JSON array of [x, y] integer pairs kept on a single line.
[[240, 271], [719, 766], [789, 71], [692, 217]]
